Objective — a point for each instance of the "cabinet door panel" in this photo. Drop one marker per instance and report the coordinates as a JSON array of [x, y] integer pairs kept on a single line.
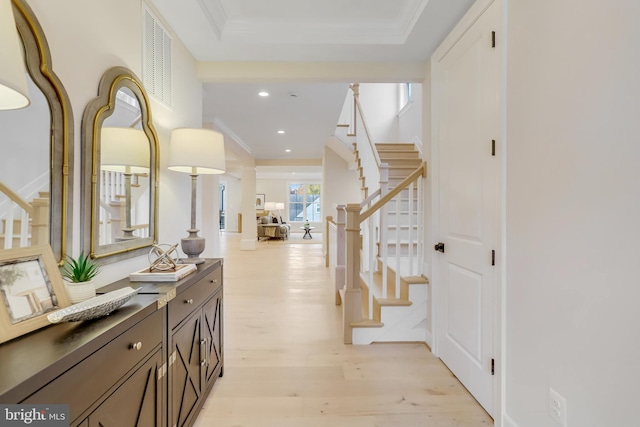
[[212, 326], [185, 302], [105, 367], [185, 371], [136, 403]]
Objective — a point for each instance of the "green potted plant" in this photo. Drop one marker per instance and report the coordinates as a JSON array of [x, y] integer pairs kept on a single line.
[[78, 274]]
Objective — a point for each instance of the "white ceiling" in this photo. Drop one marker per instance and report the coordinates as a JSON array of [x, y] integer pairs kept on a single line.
[[307, 113], [300, 31]]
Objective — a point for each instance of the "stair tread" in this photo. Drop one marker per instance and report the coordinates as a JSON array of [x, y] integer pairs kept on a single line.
[[395, 302], [416, 280], [367, 324]]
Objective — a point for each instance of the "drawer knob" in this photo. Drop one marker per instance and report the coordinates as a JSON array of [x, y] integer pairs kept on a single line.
[[136, 346], [189, 301], [213, 281]]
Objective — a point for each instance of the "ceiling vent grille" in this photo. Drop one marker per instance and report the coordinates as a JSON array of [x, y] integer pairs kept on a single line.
[[157, 59]]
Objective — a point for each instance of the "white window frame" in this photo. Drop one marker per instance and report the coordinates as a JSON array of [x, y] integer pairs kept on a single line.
[[305, 184], [405, 97]]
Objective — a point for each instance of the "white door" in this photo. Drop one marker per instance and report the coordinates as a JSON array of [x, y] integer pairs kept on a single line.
[[468, 205]]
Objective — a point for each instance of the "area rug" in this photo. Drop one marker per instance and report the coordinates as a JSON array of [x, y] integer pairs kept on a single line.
[[295, 238]]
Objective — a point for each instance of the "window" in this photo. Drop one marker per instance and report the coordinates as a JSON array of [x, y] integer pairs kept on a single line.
[[404, 96], [304, 203]]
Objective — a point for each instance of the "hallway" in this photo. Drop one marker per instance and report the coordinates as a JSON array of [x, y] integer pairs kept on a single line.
[[286, 366]]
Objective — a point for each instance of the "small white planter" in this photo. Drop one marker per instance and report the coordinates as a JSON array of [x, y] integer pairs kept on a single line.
[[78, 292]]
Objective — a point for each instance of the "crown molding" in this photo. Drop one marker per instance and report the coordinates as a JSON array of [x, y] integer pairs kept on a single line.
[[216, 15], [222, 126], [385, 31]]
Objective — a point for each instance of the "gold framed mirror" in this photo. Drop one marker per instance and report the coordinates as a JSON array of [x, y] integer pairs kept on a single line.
[[36, 176], [120, 169]]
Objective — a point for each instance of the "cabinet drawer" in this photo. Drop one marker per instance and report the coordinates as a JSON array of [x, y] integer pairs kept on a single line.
[[193, 297], [83, 385]]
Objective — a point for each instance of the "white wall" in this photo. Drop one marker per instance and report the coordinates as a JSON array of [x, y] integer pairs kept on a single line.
[[573, 211], [274, 190], [86, 39], [379, 103], [340, 185]]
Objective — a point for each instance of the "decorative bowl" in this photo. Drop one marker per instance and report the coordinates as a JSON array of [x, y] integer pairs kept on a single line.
[[94, 307]]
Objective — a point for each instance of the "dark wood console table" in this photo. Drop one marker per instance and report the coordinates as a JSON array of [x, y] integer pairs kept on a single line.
[[150, 363]]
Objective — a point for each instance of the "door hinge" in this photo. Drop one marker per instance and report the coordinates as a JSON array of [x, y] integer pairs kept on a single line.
[[493, 366], [161, 371], [493, 147], [493, 39], [493, 257]]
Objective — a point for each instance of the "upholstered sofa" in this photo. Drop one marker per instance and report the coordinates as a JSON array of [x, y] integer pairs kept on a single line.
[[271, 227]]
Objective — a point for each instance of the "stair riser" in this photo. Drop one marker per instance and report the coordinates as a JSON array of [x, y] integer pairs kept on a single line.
[[381, 146], [400, 164], [402, 154], [399, 172]]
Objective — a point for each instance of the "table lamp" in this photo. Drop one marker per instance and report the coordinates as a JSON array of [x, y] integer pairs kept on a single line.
[[125, 150], [195, 151], [270, 207], [13, 79]]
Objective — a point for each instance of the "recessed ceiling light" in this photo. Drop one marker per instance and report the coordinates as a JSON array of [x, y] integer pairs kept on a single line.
[[287, 150], [263, 93], [281, 131]]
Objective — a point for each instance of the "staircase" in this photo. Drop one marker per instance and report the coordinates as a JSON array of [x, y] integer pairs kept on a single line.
[[113, 212], [379, 253], [24, 223], [398, 311]]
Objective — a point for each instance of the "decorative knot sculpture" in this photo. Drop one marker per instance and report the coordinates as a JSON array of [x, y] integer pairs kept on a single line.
[[163, 257]]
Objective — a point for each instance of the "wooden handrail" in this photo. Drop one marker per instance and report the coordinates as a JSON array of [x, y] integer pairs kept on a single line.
[[356, 96], [16, 199], [421, 171], [368, 200]]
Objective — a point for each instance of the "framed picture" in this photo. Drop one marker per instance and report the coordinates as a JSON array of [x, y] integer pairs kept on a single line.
[[259, 202], [31, 287]]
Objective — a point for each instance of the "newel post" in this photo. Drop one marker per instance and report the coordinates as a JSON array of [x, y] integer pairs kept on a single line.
[[352, 305], [341, 259], [327, 240]]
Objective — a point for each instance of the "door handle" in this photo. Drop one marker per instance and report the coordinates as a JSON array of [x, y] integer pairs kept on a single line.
[[439, 247]]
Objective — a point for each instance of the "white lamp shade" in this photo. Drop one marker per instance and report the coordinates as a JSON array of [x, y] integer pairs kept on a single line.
[[279, 206], [196, 151], [13, 78], [124, 150], [270, 206]]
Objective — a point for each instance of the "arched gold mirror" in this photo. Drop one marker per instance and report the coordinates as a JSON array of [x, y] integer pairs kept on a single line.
[[120, 169], [35, 173]]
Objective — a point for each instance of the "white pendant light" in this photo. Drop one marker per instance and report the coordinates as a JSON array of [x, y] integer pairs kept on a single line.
[[13, 79]]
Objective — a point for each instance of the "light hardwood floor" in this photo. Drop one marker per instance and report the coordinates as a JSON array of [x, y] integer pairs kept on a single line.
[[286, 365]]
